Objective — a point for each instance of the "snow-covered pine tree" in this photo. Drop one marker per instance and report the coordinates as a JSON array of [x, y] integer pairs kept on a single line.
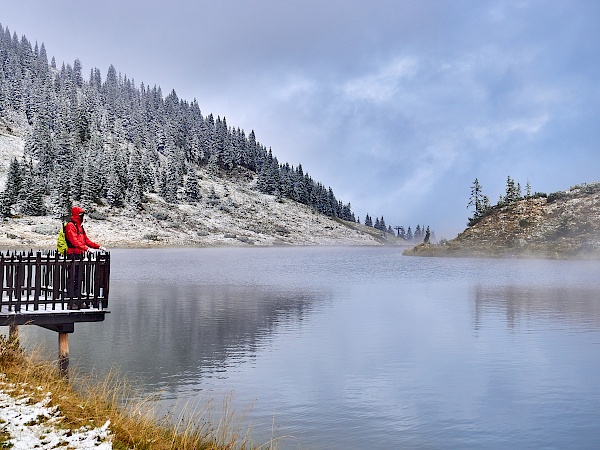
[[77, 176], [513, 193], [171, 181], [31, 197], [134, 170], [91, 182], [60, 193], [191, 187], [212, 167], [38, 145], [5, 205], [14, 182], [347, 213], [135, 195], [115, 192], [417, 235], [299, 192]]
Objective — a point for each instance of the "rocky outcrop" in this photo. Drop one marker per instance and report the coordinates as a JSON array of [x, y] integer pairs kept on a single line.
[[561, 225]]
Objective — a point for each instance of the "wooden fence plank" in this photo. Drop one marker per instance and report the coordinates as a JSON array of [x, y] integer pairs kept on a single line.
[[38, 281]]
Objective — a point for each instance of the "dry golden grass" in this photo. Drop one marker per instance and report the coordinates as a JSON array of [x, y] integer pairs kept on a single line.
[[133, 424]]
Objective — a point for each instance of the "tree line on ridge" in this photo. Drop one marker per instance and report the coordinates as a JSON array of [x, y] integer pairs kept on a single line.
[[108, 141]]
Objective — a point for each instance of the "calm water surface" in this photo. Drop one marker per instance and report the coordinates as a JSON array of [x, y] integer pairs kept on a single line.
[[340, 348]]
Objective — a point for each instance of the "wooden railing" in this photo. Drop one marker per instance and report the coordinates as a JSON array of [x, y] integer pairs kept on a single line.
[[48, 281]]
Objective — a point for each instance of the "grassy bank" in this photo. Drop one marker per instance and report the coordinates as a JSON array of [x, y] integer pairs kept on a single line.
[[88, 402]]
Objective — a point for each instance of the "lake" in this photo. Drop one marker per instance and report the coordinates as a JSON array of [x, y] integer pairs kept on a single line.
[[354, 348]]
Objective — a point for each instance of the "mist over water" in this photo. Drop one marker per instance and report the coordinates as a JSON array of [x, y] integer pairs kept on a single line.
[[359, 347]]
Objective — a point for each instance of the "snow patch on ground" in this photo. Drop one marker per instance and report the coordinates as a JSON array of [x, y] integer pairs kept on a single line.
[[27, 425]]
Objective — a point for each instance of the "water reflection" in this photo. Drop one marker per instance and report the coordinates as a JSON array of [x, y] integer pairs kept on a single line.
[[574, 305], [192, 331], [361, 348]]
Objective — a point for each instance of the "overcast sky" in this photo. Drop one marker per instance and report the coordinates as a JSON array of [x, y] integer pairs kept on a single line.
[[397, 105]]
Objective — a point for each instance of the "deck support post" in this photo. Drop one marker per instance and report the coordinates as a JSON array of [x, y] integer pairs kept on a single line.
[[13, 332], [63, 354]]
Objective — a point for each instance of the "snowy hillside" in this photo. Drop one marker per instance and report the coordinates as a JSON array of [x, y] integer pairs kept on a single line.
[[229, 213]]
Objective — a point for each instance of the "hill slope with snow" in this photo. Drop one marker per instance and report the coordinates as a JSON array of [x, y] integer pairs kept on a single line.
[[231, 212]]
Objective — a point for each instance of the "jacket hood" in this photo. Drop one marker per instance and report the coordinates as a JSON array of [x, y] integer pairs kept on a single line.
[[75, 212]]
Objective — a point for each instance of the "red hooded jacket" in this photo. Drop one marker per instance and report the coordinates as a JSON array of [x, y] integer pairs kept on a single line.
[[77, 239]]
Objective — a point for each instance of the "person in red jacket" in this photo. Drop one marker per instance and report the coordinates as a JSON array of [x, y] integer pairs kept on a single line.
[[77, 239], [79, 244]]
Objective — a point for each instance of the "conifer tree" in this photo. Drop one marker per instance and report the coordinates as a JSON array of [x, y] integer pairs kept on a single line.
[[135, 179], [171, 181], [136, 195], [192, 190], [299, 191], [14, 182], [115, 190], [38, 145], [427, 235], [77, 177], [476, 199], [5, 206], [91, 184], [346, 213], [513, 193], [60, 194], [32, 196], [212, 168]]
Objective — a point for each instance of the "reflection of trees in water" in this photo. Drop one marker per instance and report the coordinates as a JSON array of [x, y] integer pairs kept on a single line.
[[161, 331], [574, 305]]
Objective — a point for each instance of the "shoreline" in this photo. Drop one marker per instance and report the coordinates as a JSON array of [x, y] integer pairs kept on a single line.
[[40, 409], [452, 251], [143, 230]]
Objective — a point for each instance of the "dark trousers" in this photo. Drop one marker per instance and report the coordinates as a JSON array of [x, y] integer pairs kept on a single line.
[[73, 280]]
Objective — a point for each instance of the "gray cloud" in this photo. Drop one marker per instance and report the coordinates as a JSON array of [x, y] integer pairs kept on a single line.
[[398, 105]]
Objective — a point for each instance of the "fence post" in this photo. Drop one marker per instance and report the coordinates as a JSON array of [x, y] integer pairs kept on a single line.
[[2, 270], [106, 280], [38, 281], [19, 280], [57, 294], [10, 275]]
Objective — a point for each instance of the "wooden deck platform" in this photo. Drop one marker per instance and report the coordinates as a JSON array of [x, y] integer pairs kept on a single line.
[[46, 289]]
